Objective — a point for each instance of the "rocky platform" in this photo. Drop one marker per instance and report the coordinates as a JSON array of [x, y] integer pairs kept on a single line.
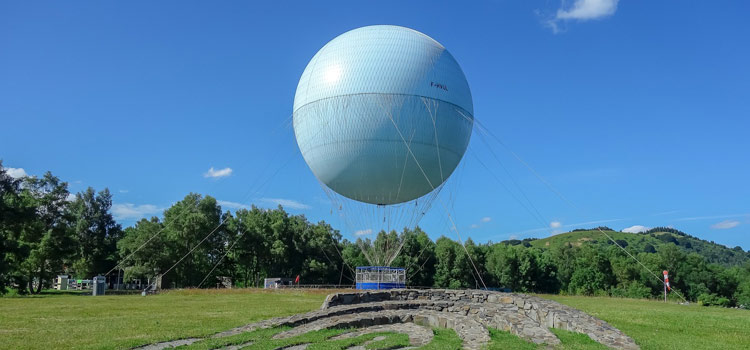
[[468, 312]]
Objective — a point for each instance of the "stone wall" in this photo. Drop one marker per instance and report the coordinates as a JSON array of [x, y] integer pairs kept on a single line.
[[468, 312], [524, 315]]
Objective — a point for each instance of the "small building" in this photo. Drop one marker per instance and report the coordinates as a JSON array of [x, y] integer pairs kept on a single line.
[[82, 284], [62, 282], [99, 285], [277, 282], [380, 277]]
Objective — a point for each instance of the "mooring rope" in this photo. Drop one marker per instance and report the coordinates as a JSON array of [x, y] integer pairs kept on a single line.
[[565, 199], [455, 228]]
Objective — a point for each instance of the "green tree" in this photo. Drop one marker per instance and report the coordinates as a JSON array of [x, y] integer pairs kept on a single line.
[[145, 251], [522, 269], [96, 232], [593, 272], [46, 243], [741, 295], [186, 224], [319, 247], [353, 257], [565, 257], [12, 214], [417, 257], [453, 268], [253, 248]]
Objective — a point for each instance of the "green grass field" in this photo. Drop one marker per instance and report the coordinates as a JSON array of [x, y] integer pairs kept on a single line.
[[656, 325], [120, 322]]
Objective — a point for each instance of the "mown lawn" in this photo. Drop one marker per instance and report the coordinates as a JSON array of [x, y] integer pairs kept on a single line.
[[658, 325], [124, 321], [120, 322]]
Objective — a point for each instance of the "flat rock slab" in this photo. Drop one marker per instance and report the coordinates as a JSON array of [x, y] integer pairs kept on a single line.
[[471, 331], [168, 344], [298, 347], [418, 335]]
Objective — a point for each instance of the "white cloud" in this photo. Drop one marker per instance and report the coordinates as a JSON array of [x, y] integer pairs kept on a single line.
[[218, 173], [16, 173], [513, 237], [726, 224], [588, 9], [363, 232], [582, 10], [286, 203], [232, 205], [123, 191], [483, 220], [132, 211], [635, 229], [71, 197], [555, 224]]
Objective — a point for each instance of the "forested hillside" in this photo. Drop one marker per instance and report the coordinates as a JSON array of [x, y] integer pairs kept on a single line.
[[649, 242]]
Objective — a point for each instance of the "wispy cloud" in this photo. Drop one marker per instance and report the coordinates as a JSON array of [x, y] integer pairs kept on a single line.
[[593, 173], [727, 216], [555, 224], [132, 211], [594, 222], [588, 9], [635, 229], [16, 173], [582, 10], [482, 221], [123, 191], [726, 224], [71, 197], [266, 202], [216, 173], [286, 203], [575, 225], [666, 213], [232, 205], [363, 232], [533, 230]]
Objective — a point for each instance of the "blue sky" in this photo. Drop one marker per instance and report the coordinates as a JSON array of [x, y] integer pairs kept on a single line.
[[633, 113]]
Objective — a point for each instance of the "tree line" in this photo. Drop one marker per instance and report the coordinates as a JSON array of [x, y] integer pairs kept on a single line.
[[46, 232]]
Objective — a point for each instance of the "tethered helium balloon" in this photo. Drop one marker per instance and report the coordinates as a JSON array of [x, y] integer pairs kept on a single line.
[[383, 114]]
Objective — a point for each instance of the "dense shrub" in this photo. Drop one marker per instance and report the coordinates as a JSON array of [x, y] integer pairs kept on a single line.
[[706, 299]]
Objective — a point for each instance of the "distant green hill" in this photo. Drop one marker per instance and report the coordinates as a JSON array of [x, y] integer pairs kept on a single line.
[[649, 242]]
